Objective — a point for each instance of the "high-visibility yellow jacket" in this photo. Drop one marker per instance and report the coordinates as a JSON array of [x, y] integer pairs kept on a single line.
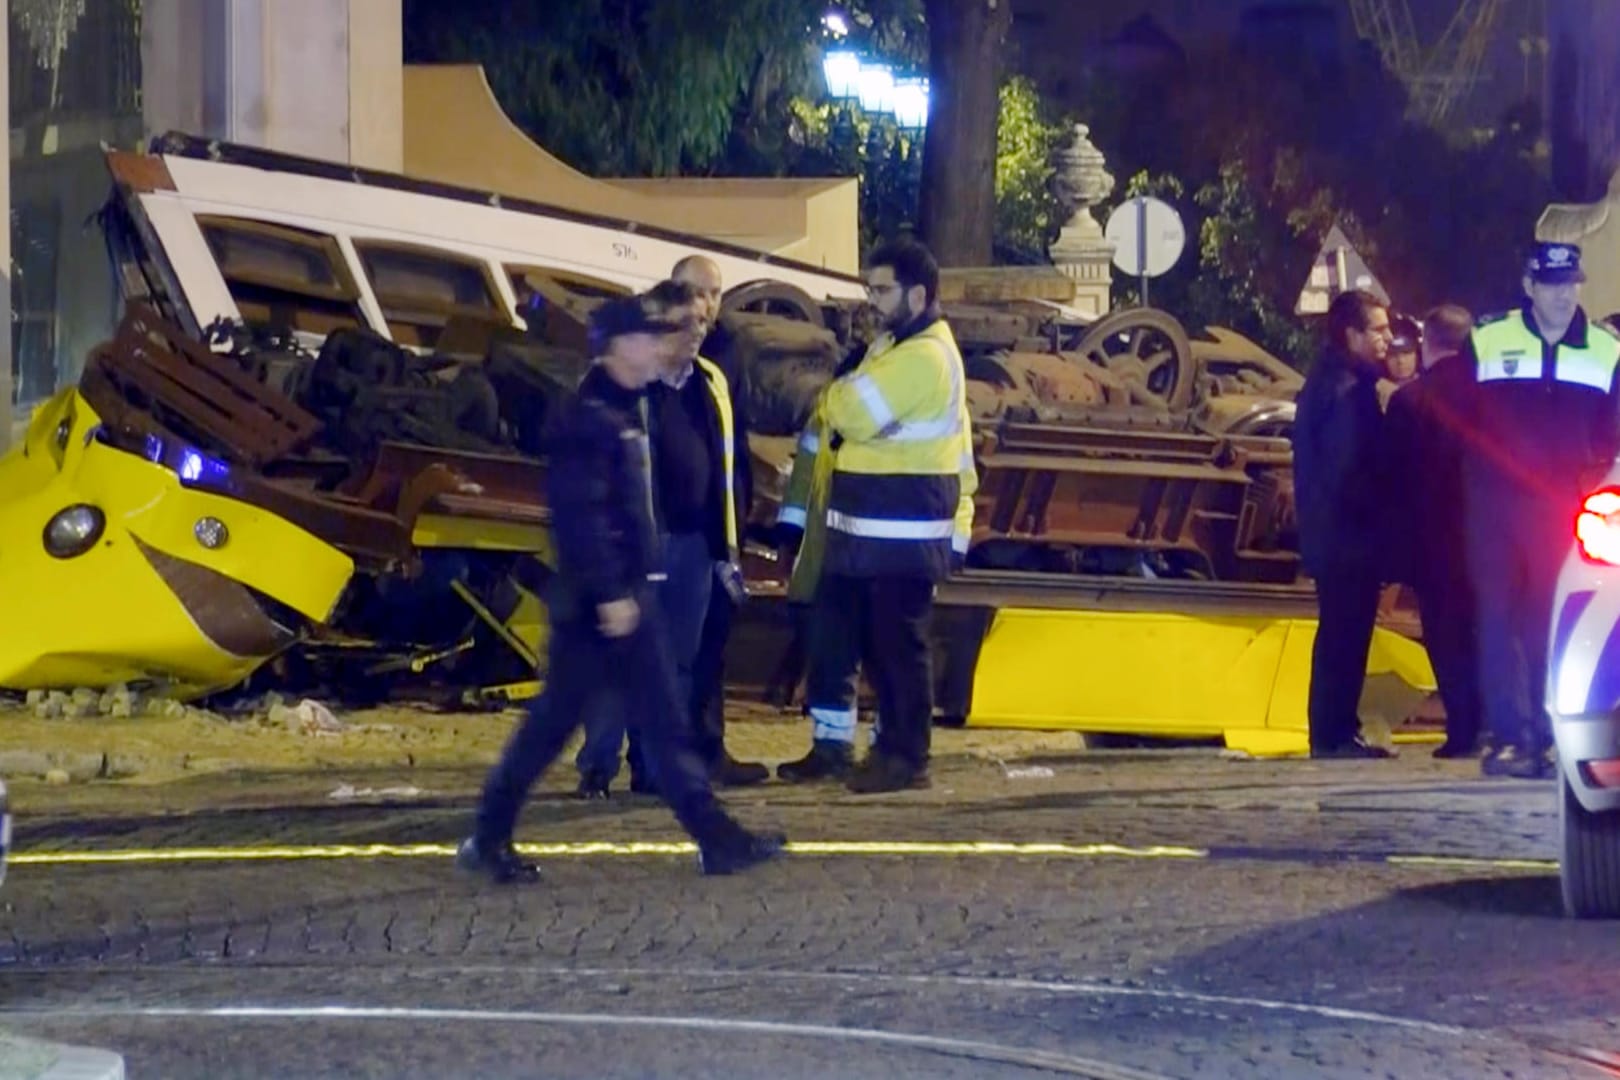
[[883, 478], [720, 394], [1542, 414]]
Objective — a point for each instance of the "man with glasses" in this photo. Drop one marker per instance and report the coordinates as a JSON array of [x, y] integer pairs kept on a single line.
[[889, 452]]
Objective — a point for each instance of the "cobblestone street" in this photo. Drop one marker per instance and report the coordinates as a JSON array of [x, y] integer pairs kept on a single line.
[[1171, 913]]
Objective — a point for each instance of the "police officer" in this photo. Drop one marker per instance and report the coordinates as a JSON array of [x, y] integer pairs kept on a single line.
[[1542, 423], [604, 623], [1340, 482], [890, 445]]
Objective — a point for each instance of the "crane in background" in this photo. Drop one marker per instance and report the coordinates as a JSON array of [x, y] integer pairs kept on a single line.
[[1435, 78]]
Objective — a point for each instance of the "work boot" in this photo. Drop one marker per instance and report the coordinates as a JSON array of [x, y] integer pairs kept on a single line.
[[828, 759], [499, 862], [592, 786], [1519, 763], [882, 772], [729, 772], [737, 850], [1458, 748]]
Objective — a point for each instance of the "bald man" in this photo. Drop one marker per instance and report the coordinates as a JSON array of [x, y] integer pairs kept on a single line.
[[700, 273]]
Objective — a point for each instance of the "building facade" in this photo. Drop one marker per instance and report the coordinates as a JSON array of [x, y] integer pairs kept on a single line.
[[316, 77]]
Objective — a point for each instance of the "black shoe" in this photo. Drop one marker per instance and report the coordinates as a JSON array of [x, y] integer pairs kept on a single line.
[[640, 785], [827, 760], [1353, 750], [729, 772], [1457, 749], [499, 862], [591, 786], [882, 772], [739, 851], [1518, 763]]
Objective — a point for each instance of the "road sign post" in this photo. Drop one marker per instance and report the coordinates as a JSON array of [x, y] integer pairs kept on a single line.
[[1148, 239]]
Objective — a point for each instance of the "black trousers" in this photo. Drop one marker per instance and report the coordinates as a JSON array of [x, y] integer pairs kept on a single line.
[[1347, 607], [890, 617], [1514, 566], [709, 680], [581, 663], [1451, 635]]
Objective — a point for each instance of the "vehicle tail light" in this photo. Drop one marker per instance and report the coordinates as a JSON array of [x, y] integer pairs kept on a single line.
[[1597, 527], [1603, 774]]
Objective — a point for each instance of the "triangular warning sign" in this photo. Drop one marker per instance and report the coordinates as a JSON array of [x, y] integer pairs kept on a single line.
[[1338, 268]]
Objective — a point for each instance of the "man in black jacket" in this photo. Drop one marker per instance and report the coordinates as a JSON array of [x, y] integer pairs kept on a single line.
[[1340, 484], [702, 276], [602, 607], [691, 421], [1426, 440]]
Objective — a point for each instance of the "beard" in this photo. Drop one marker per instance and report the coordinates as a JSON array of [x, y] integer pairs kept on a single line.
[[902, 317]]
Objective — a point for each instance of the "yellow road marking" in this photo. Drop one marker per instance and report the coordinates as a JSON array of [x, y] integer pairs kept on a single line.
[[1462, 863], [596, 848], [639, 849]]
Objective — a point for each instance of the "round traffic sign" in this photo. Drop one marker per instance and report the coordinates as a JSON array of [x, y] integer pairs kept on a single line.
[[1147, 235]]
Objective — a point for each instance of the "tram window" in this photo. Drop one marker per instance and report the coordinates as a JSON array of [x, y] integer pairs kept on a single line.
[[421, 291], [283, 277]]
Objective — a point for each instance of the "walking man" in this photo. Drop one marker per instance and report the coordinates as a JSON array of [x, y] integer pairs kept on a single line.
[[689, 418], [1340, 482], [604, 619]]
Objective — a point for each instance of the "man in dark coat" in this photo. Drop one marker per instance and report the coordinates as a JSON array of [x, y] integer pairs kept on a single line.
[[1427, 439], [605, 629], [708, 667], [1341, 488]]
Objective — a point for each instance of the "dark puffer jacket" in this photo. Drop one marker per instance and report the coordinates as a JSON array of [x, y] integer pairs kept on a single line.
[[599, 489]]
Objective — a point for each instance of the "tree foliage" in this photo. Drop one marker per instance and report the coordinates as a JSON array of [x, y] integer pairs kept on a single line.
[[1294, 144], [619, 87], [1028, 134]]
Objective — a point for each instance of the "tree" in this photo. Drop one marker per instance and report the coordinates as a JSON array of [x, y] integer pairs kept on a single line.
[[1585, 99], [621, 87], [966, 39]]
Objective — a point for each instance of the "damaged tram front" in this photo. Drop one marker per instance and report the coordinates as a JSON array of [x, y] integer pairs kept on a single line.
[[310, 457]]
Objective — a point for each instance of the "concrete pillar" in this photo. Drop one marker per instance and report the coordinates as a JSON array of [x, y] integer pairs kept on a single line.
[[377, 85], [7, 414], [319, 78]]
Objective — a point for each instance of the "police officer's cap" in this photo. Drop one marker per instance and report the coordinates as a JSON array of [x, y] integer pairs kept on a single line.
[[1555, 264], [624, 316]]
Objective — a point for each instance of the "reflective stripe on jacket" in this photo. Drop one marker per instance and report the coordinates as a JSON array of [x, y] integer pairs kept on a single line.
[[902, 457], [1544, 413]]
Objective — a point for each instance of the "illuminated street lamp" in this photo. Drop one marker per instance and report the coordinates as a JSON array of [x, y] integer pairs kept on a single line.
[[875, 88], [842, 70], [835, 23], [911, 104]]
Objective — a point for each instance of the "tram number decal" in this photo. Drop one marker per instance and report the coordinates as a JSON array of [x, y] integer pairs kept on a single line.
[[624, 251]]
